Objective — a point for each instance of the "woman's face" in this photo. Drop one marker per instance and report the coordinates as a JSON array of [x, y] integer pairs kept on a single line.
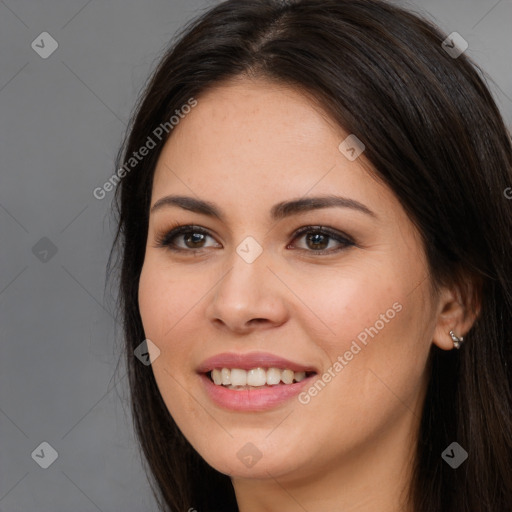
[[351, 303]]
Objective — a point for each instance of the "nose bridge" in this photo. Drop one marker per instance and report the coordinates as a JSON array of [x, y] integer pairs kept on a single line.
[[248, 271], [248, 290]]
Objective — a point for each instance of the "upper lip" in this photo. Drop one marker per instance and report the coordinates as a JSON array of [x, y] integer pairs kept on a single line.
[[251, 360]]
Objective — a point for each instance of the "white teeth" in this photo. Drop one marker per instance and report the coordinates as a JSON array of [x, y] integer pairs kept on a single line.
[[300, 376], [217, 377], [287, 376], [256, 377], [273, 376], [237, 378], [226, 377]]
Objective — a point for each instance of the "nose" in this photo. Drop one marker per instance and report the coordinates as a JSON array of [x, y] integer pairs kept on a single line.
[[249, 296]]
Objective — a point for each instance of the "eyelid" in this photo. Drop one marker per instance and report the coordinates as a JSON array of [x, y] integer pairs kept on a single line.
[[333, 233], [175, 230]]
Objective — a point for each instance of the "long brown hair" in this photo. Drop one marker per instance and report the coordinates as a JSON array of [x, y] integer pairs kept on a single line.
[[435, 137]]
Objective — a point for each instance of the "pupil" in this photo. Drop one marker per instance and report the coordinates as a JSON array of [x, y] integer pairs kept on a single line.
[[196, 238], [314, 238]]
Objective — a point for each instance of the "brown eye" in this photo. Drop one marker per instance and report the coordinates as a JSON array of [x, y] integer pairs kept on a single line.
[[193, 238], [318, 238]]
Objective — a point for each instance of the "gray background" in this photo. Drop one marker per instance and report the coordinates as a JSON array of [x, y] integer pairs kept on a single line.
[[62, 120]]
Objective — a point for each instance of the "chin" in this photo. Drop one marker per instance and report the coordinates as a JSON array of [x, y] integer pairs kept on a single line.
[[242, 458], [261, 469]]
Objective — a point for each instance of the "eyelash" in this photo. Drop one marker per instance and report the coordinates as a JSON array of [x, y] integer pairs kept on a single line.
[[165, 239]]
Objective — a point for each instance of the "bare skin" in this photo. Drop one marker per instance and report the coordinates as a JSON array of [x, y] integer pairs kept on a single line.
[[246, 146]]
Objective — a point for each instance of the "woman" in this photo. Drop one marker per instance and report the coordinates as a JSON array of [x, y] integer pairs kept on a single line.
[[315, 258]]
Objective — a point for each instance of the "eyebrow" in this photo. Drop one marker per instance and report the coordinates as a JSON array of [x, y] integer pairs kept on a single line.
[[279, 211]]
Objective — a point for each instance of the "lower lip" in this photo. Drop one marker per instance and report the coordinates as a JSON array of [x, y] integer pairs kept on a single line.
[[258, 399]]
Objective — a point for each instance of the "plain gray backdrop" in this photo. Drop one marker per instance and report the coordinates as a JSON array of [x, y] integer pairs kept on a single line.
[[62, 120]]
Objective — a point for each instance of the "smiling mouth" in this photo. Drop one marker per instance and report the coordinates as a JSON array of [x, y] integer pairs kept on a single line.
[[256, 378]]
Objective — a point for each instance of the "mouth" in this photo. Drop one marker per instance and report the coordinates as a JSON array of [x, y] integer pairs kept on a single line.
[[254, 381]]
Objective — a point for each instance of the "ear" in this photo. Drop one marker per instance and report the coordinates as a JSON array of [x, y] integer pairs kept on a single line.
[[456, 312]]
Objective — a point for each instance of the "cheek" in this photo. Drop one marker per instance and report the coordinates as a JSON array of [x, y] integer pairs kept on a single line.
[[152, 302], [340, 304], [164, 298], [374, 331]]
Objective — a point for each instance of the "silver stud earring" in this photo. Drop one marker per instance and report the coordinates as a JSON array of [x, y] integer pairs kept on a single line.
[[456, 339]]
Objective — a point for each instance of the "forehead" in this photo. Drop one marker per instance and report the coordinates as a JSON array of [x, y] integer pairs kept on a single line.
[[249, 141], [239, 116]]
